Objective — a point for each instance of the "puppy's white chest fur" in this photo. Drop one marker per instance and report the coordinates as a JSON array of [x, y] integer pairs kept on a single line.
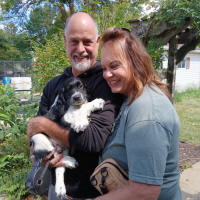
[[78, 116]]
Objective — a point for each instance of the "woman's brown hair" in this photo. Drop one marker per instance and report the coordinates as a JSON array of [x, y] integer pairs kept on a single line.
[[141, 68]]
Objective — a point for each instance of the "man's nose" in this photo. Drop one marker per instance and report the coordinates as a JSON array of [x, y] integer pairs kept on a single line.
[[80, 47]]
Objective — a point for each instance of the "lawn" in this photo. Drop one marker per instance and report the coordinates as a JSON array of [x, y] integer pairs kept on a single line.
[[187, 105]]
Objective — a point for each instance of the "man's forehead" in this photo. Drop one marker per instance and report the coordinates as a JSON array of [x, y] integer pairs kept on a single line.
[[80, 37], [81, 33], [79, 25]]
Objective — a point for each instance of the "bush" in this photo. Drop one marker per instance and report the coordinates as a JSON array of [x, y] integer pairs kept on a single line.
[[14, 166], [13, 115], [51, 60], [8, 106], [14, 148]]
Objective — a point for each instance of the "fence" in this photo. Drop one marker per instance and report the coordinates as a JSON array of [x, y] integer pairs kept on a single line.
[[18, 73], [15, 69]]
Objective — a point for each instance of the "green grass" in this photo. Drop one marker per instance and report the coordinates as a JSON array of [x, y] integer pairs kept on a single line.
[[187, 105]]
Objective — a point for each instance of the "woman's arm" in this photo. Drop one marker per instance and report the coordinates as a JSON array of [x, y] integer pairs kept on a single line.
[[133, 191]]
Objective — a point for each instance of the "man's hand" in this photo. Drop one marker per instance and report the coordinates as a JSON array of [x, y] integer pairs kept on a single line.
[[56, 161], [36, 125], [50, 128]]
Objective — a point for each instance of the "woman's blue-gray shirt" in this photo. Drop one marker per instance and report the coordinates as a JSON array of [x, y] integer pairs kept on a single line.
[[144, 142]]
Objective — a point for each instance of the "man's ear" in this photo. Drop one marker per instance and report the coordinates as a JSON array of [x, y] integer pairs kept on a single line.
[[98, 38], [98, 42]]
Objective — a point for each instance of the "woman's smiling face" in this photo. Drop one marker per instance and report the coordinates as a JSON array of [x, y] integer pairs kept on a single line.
[[115, 67]]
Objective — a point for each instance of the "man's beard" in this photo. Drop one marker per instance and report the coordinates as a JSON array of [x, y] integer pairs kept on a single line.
[[81, 66]]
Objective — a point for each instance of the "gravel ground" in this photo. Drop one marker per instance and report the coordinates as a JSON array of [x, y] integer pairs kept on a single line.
[[189, 154]]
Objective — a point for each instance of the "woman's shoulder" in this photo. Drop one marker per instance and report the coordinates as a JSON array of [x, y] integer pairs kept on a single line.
[[152, 105]]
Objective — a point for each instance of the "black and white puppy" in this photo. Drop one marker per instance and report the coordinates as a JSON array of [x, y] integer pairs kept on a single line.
[[72, 109]]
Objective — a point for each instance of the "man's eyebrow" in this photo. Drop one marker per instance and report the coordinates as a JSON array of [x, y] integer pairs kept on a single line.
[[83, 39]]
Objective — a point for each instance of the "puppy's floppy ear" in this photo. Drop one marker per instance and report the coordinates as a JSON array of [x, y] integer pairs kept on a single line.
[[56, 111], [62, 104], [61, 98]]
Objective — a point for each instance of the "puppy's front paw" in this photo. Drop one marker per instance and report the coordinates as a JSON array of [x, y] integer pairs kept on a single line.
[[99, 103], [60, 190], [70, 162]]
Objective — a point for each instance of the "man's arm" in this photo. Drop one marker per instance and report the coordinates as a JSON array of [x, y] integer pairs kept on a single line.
[[44, 125], [95, 135], [133, 191], [50, 128], [92, 139]]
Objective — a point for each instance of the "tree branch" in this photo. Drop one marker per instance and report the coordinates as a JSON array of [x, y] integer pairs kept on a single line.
[[188, 46]]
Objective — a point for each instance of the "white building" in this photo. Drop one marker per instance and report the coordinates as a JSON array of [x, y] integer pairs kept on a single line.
[[188, 71]]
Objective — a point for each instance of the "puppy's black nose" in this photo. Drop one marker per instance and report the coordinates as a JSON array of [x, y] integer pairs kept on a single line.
[[77, 97]]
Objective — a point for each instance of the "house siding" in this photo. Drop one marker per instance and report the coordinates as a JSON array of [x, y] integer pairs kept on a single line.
[[189, 78]]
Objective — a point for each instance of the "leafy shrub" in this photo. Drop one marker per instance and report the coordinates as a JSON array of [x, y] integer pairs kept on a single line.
[[14, 148], [8, 104], [14, 166], [51, 60], [13, 115]]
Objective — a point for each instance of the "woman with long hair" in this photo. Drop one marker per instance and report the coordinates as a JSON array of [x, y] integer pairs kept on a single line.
[[144, 140]]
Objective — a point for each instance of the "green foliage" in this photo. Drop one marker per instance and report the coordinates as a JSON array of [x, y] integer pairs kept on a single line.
[[190, 93], [113, 13], [50, 60], [156, 50], [43, 22], [14, 46], [13, 115], [175, 12], [14, 163], [183, 167], [8, 106], [14, 147]]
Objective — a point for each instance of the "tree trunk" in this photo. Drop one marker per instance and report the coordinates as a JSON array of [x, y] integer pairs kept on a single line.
[[181, 53], [94, 7], [171, 70], [71, 6], [63, 12], [86, 3]]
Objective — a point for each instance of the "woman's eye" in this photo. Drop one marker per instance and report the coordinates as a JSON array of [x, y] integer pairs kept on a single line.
[[114, 66]]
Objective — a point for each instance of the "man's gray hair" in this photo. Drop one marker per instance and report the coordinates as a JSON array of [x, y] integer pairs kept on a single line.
[[95, 24]]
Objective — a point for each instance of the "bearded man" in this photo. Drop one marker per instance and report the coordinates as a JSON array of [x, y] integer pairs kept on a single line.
[[81, 43]]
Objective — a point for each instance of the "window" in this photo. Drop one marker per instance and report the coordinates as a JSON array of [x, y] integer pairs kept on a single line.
[[185, 63], [182, 64]]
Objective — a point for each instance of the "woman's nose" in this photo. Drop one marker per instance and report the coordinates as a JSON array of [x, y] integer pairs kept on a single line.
[[107, 74]]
